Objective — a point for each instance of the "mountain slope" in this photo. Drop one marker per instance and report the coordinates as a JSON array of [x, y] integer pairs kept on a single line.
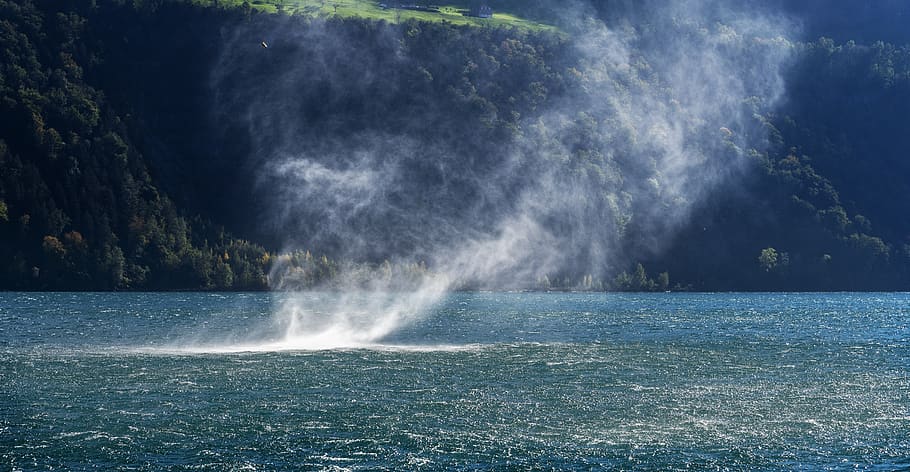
[[428, 142]]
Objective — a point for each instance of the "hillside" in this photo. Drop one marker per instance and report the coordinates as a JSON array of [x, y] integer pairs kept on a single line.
[[78, 207], [506, 13], [161, 146]]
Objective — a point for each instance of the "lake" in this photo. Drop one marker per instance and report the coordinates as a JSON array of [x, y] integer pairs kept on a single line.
[[478, 381]]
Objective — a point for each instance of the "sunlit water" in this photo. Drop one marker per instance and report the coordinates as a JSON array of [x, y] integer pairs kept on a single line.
[[482, 381]]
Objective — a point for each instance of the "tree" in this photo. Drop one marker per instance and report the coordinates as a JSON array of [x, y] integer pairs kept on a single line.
[[767, 260], [53, 248], [640, 279], [223, 276]]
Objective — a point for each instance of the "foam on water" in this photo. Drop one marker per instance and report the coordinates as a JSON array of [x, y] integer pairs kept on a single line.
[[307, 346]]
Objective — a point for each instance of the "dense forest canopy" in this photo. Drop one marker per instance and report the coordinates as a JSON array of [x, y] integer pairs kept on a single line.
[[642, 146]]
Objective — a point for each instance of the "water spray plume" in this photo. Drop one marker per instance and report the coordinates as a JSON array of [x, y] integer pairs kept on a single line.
[[352, 320], [611, 165]]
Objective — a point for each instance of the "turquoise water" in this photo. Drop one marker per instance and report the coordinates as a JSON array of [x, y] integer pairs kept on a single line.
[[478, 382]]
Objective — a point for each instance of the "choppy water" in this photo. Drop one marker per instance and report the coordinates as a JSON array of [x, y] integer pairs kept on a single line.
[[483, 381]]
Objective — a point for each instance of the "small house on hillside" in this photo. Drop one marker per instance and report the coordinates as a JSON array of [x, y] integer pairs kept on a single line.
[[481, 11]]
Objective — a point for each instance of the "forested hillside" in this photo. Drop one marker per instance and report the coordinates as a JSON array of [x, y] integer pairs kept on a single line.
[[78, 206], [171, 145]]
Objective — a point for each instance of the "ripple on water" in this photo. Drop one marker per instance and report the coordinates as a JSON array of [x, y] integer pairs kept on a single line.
[[565, 381]]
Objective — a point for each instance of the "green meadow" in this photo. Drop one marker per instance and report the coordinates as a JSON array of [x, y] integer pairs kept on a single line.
[[512, 14]]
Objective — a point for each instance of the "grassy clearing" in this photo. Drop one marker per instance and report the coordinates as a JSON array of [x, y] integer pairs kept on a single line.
[[506, 13]]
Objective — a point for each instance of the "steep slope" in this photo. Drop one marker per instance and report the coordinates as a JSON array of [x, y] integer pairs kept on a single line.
[[79, 207], [504, 158]]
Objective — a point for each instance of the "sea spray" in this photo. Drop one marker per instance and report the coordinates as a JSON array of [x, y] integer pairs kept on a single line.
[[353, 319], [653, 116]]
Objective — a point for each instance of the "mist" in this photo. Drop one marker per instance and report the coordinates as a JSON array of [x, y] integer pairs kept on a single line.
[[647, 115]]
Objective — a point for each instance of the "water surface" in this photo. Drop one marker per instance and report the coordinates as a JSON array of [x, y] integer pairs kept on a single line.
[[482, 381]]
